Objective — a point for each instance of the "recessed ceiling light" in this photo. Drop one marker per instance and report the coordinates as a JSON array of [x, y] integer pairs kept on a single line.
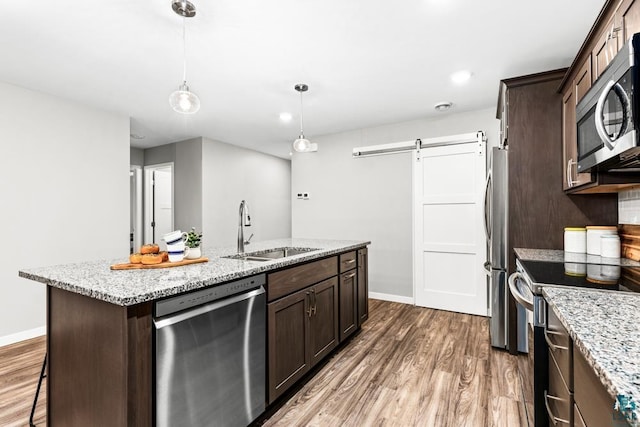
[[442, 106], [136, 136], [461, 77], [286, 117]]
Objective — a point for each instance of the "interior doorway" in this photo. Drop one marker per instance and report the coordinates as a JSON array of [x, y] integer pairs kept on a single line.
[[158, 212], [449, 242], [135, 207]]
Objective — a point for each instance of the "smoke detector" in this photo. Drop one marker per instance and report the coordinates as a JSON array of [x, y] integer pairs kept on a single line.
[[442, 106]]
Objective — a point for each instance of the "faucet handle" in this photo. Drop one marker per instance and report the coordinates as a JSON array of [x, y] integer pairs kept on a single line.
[[248, 240]]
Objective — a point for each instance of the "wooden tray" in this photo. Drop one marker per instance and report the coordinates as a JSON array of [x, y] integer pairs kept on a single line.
[[129, 266]]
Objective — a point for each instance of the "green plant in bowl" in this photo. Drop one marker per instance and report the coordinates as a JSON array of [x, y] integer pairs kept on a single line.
[[193, 238]]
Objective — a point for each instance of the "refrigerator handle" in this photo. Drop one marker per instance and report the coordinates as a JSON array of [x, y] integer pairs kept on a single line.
[[487, 228]]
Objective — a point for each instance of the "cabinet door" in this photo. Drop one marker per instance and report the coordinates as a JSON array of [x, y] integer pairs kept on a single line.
[[627, 20], [570, 177], [288, 340], [323, 321], [348, 303], [605, 49], [582, 82], [559, 402], [363, 286]]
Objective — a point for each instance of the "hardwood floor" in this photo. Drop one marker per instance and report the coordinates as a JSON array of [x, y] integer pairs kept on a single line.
[[409, 366], [20, 366], [412, 366]]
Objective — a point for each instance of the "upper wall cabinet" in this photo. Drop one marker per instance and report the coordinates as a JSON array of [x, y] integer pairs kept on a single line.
[[617, 22]]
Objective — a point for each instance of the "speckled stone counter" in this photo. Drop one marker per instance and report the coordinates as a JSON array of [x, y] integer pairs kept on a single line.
[[129, 287], [556, 255], [604, 326]]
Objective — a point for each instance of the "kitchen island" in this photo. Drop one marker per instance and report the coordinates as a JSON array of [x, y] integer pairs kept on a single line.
[[100, 322], [604, 328]]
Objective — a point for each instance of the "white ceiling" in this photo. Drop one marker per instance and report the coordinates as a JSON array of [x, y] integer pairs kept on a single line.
[[367, 62]]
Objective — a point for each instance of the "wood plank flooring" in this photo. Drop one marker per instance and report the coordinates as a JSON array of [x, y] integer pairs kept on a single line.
[[412, 366], [409, 366], [20, 366]]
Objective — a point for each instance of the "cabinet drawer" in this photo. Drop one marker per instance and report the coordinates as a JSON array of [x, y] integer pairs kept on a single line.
[[560, 347], [595, 403], [347, 261], [558, 400], [284, 282]]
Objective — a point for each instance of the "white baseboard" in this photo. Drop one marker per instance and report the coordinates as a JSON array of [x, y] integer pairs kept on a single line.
[[392, 298], [21, 336]]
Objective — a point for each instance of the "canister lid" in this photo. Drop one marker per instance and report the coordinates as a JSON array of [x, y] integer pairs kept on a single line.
[[575, 229], [601, 227]]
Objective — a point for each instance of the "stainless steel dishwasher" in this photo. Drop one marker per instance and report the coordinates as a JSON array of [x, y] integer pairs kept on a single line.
[[210, 348]]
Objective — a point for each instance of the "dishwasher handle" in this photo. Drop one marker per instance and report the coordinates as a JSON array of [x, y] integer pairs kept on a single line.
[[189, 314]]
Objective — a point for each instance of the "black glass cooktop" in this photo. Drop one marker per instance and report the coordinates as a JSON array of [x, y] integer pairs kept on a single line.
[[597, 276]]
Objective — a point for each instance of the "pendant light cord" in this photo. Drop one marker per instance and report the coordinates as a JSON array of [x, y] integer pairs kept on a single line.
[[301, 116], [184, 51]]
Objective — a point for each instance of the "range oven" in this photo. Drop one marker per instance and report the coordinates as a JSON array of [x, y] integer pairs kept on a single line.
[[526, 287], [607, 116]]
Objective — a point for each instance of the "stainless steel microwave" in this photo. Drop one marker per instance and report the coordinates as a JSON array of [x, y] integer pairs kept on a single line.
[[607, 116]]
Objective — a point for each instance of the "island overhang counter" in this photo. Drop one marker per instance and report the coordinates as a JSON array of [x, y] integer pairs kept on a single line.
[[100, 321]]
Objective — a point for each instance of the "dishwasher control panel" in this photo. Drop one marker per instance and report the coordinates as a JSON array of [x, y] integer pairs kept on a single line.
[[204, 296]]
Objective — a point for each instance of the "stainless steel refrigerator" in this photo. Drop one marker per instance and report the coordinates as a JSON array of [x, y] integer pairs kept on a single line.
[[496, 206]]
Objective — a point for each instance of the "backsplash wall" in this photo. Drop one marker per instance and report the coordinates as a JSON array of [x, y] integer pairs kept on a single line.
[[629, 206]]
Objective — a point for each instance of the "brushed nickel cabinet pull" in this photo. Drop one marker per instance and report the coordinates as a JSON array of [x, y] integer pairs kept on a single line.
[[555, 420], [553, 346]]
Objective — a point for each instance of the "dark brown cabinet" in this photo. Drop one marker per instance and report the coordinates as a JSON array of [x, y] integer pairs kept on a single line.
[[594, 404], [363, 286], [617, 22], [348, 303], [288, 341], [302, 329], [559, 396], [323, 320]]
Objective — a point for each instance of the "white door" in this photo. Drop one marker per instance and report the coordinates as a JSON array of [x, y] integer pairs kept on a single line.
[[449, 241], [158, 202]]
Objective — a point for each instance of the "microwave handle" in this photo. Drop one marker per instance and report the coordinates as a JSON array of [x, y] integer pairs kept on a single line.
[[600, 106]]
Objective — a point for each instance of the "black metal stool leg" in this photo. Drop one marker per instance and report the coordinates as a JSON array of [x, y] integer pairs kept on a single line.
[[35, 399]]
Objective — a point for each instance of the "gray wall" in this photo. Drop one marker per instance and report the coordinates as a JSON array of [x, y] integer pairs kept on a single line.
[[188, 185], [136, 156], [65, 196], [231, 174], [371, 198], [160, 154]]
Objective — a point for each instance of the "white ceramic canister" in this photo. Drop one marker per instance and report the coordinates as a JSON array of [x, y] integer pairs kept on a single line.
[[610, 246], [593, 237], [575, 239]]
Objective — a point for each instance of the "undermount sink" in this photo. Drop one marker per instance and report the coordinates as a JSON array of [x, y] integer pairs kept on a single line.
[[270, 254]]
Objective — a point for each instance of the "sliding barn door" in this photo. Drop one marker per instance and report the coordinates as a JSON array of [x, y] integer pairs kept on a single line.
[[449, 240]]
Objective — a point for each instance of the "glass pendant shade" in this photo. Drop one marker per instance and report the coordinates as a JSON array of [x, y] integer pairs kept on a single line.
[[301, 144], [184, 101]]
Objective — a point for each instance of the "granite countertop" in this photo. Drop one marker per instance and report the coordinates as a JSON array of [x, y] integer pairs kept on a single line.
[[128, 287], [557, 255], [604, 326]]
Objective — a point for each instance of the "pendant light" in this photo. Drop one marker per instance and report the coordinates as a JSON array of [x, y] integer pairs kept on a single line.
[[183, 100], [302, 144]]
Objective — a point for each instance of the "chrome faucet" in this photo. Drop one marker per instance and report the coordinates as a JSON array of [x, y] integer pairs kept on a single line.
[[244, 220]]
